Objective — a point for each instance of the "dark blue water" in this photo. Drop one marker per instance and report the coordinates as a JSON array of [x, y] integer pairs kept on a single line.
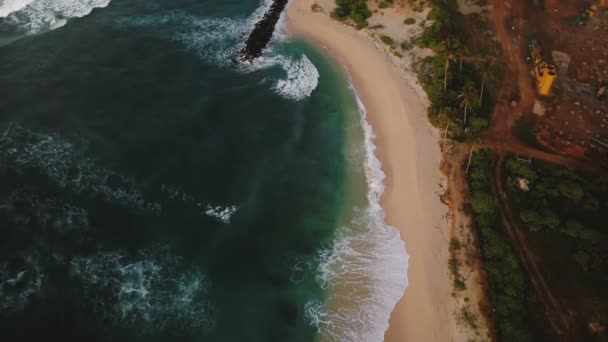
[[150, 189]]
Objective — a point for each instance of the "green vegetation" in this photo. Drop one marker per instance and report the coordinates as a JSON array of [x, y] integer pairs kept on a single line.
[[459, 96], [563, 216], [397, 54], [409, 21], [383, 4], [387, 40], [356, 10], [524, 131], [507, 286], [559, 201], [406, 46], [455, 245], [457, 279]]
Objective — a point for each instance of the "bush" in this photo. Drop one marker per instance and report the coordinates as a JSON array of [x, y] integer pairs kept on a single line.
[[406, 46], [455, 245], [409, 21], [383, 4], [356, 10], [387, 40]]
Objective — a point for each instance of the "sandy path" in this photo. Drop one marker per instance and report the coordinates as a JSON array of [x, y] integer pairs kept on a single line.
[[409, 151]]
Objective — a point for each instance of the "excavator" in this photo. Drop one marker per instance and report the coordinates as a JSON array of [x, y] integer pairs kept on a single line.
[[590, 12], [544, 73]]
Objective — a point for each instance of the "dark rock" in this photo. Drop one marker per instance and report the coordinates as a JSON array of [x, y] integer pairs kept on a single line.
[[262, 32]]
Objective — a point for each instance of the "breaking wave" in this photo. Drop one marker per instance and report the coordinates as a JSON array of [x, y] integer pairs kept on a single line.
[[146, 290], [365, 269], [219, 40], [302, 79], [36, 16]]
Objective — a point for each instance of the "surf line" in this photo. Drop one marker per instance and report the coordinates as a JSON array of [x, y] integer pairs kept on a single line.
[[262, 32]]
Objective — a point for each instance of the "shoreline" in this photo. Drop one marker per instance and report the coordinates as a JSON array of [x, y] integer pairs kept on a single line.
[[408, 149]]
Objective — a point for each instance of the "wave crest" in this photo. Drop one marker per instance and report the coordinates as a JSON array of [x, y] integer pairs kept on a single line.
[[36, 16], [365, 269]]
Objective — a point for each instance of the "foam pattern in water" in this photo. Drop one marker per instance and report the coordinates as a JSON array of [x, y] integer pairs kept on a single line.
[[145, 291], [18, 286], [36, 16], [67, 166]]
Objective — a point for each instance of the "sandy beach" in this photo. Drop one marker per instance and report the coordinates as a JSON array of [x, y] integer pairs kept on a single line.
[[409, 150]]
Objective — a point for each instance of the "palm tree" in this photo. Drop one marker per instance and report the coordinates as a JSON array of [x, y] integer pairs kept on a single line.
[[469, 99], [486, 75], [462, 50], [448, 50], [475, 144]]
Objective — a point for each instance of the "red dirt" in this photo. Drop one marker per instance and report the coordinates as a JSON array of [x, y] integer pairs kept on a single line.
[[516, 97]]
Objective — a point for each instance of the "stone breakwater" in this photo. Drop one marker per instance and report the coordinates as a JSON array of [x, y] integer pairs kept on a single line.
[[262, 32]]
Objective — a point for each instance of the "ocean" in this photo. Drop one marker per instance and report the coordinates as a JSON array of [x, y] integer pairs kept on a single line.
[[152, 189]]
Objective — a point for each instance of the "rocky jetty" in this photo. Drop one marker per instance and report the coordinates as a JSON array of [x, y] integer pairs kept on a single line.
[[262, 32]]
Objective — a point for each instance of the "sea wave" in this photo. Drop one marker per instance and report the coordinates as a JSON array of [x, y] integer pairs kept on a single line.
[[66, 165], [219, 40], [146, 291], [365, 269], [36, 16]]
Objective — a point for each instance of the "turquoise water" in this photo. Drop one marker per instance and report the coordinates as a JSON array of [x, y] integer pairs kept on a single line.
[[153, 190]]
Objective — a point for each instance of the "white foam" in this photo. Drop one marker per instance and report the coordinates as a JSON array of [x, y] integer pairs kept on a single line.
[[220, 213], [35, 16], [218, 40], [302, 79], [366, 267], [9, 6], [146, 290]]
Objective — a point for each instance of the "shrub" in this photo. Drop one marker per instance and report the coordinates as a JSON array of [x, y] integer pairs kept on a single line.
[[356, 10], [383, 4], [455, 245], [387, 40], [459, 284], [409, 21], [406, 46]]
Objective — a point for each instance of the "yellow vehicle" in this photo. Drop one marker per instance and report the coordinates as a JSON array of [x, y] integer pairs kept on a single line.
[[544, 73]]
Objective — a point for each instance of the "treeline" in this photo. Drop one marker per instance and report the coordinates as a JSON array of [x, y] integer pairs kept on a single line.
[[356, 10], [458, 91], [554, 199], [507, 285]]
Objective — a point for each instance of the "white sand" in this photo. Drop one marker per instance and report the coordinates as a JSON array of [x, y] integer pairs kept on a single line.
[[409, 150]]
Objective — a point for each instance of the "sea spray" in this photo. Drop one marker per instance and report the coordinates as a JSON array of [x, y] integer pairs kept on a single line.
[[365, 269], [36, 16]]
